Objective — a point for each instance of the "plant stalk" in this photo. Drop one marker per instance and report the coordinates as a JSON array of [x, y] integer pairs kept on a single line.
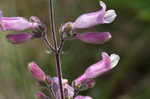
[[57, 54]]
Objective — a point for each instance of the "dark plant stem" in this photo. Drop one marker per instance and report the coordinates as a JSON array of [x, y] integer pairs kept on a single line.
[[57, 54]]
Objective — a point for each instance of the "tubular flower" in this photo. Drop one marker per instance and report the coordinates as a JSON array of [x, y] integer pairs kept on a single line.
[[83, 97], [94, 18], [94, 38], [16, 23], [19, 38], [106, 64], [36, 71]]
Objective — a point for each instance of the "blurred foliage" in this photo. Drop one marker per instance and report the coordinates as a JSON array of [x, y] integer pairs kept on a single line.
[[129, 80]]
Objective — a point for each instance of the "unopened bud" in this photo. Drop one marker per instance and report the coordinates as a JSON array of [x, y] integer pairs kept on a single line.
[[19, 38], [36, 71], [67, 27], [93, 38]]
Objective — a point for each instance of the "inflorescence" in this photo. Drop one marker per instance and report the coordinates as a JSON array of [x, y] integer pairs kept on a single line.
[[68, 30]]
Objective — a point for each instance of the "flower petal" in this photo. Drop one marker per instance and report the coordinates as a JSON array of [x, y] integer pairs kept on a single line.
[[114, 60], [100, 18], [110, 16]]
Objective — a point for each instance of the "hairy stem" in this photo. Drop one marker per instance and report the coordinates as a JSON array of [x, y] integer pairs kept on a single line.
[[57, 54]]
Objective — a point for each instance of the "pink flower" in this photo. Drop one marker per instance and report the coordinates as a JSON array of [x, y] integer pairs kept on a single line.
[[68, 90], [94, 38], [106, 64], [94, 18], [16, 23], [36, 71], [19, 38], [83, 97], [41, 95]]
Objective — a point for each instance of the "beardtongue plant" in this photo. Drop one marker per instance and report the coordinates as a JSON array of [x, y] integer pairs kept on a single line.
[[58, 87]]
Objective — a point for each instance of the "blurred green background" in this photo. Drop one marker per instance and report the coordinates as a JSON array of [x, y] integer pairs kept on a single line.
[[130, 39]]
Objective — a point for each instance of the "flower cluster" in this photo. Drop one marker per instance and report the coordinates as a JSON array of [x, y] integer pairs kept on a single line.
[[53, 84], [86, 80]]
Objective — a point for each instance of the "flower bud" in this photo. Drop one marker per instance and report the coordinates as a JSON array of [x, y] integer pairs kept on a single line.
[[83, 97], [41, 95], [36, 71], [19, 38], [94, 38], [104, 65], [67, 27]]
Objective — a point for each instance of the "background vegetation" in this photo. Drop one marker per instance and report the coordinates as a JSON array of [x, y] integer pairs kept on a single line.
[[129, 80]]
